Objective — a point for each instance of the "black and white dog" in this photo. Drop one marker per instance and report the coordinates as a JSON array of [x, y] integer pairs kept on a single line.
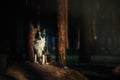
[[40, 47]]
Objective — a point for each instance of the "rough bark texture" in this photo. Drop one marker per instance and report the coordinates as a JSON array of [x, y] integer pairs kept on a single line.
[[66, 22], [62, 24], [31, 42]]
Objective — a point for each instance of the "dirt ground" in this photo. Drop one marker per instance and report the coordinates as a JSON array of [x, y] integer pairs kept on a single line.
[[35, 71]]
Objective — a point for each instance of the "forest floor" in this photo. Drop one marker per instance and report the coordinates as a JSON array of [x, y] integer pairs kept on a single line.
[[98, 68], [98, 71], [35, 71]]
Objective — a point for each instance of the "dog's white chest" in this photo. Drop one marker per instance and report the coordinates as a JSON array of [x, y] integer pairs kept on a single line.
[[39, 44]]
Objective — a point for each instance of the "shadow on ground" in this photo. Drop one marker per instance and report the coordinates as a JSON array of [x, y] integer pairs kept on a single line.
[[34, 71]]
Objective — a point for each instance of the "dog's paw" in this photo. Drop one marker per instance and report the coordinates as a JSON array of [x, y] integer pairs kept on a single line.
[[47, 63], [36, 61]]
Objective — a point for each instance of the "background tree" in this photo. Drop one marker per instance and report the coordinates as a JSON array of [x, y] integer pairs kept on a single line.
[[30, 42], [61, 34]]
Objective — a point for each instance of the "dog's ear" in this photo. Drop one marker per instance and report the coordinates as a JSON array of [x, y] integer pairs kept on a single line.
[[39, 33], [44, 32]]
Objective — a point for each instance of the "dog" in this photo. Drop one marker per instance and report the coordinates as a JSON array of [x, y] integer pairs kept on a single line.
[[40, 48]]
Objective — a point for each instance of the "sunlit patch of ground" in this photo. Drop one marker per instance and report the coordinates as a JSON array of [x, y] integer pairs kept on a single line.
[[34, 71]]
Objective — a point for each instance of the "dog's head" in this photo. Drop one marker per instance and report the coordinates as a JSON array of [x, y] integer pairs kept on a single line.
[[40, 40], [40, 35]]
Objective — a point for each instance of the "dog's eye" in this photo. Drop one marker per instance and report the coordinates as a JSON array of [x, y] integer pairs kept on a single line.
[[42, 35]]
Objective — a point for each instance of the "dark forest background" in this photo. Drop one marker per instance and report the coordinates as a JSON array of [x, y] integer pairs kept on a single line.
[[98, 22]]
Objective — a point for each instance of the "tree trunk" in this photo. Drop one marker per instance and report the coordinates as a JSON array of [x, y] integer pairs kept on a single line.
[[61, 34], [78, 43], [66, 23], [31, 42]]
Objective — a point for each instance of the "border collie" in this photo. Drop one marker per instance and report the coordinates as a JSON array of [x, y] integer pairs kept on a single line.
[[39, 47]]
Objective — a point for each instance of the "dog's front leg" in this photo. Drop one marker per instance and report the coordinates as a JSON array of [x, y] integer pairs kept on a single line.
[[39, 57], [43, 59], [35, 60]]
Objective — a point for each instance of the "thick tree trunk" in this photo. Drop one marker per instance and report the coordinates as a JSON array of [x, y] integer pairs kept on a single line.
[[31, 42], [61, 34], [66, 23]]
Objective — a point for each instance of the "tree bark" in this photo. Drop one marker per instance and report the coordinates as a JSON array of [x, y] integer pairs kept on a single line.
[[66, 23], [61, 34], [30, 47], [78, 44]]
